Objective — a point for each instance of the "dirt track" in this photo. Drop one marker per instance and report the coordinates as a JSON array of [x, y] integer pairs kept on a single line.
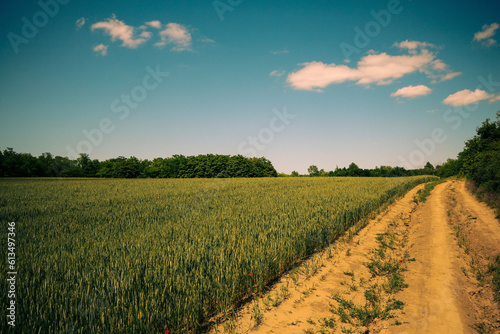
[[441, 247]]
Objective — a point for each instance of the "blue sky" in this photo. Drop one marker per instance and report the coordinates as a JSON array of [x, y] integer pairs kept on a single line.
[[325, 82]]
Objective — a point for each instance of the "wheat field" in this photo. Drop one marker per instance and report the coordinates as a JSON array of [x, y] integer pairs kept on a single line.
[[146, 255]]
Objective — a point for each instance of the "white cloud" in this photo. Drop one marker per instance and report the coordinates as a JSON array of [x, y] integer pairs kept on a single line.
[[280, 52], [378, 68], [495, 98], [277, 73], [80, 23], [131, 37], [146, 34], [485, 36], [155, 24], [413, 46], [465, 97], [175, 34], [439, 65], [432, 111], [207, 40], [450, 75], [119, 30], [101, 49], [412, 91], [439, 71], [383, 68], [316, 75]]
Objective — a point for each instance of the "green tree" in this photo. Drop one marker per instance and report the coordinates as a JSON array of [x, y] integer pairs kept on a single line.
[[450, 168], [354, 170], [46, 162], [86, 166], [313, 170], [64, 167], [126, 168], [479, 161]]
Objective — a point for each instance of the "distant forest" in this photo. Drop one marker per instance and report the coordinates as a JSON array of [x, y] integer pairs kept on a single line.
[[479, 163], [382, 171], [14, 164]]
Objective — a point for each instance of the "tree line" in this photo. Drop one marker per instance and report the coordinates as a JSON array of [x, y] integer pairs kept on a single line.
[[13, 164], [382, 171], [479, 161]]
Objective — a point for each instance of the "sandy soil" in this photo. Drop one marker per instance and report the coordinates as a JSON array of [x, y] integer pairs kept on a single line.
[[441, 247]]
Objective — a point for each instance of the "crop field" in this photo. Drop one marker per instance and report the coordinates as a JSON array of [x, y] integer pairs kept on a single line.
[[149, 255]]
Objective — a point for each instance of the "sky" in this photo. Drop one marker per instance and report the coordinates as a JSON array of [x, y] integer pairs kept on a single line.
[[325, 83]]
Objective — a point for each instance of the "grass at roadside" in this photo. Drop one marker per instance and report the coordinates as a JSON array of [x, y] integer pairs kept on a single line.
[[494, 270], [386, 265], [422, 194]]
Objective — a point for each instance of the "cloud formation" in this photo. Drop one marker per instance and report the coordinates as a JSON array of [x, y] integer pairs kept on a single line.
[[279, 52], [177, 35], [101, 49], [277, 73], [118, 30], [485, 36], [377, 68], [207, 40], [155, 24], [80, 23], [448, 76], [413, 46], [412, 91], [465, 97], [495, 98], [174, 34]]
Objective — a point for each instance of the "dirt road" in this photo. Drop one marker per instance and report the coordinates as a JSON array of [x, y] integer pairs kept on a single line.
[[419, 267]]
